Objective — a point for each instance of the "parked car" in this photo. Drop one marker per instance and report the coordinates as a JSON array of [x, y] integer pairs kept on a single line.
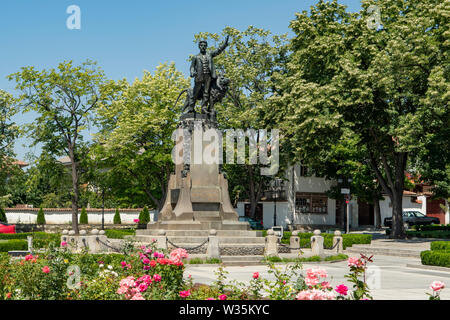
[[7, 228], [255, 225], [413, 217]]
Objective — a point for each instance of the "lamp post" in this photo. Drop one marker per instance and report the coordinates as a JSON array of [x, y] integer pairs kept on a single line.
[[345, 190], [102, 171], [276, 188]]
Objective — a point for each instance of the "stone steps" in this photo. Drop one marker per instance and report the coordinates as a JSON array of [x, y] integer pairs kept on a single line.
[[242, 260], [181, 240], [201, 233]]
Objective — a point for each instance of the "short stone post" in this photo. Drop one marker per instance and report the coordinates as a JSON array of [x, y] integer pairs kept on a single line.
[[161, 239], [317, 244], [339, 248], [294, 241], [30, 244], [213, 245], [271, 248]]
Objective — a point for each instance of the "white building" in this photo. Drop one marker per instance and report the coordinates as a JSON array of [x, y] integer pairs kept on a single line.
[[305, 205]]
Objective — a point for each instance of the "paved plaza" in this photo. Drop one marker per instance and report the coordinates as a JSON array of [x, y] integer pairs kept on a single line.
[[391, 278]]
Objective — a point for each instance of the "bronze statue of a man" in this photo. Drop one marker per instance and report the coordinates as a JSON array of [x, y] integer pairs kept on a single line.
[[203, 72]]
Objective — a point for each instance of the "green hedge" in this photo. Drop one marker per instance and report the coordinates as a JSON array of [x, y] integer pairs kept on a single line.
[[40, 239], [440, 246], [433, 227], [436, 258], [13, 245], [438, 234], [119, 234]]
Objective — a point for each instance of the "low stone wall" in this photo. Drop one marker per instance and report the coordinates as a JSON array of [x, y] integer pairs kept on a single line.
[[64, 216]]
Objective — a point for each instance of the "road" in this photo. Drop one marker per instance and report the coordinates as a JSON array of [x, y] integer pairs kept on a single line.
[[389, 277]]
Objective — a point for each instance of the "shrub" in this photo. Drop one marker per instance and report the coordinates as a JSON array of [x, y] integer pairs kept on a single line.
[[438, 234], [83, 216], [13, 245], [348, 239], [436, 258], [3, 216], [119, 234], [144, 216], [440, 245], [40, 216], [433, 227], [40, 239], [117, 217]]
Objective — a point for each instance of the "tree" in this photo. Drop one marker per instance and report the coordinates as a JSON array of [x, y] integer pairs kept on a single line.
[[3, 215], [144, 216], [137, 121], [379, 83], [64, 98], [40, 216], [254, 62], [8, 130], [83, 216], [117, 217]]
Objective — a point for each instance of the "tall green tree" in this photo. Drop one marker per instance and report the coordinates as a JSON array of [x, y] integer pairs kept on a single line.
[[381, 83], [254, 61], [137, 121], [8, 133], [64, 99]]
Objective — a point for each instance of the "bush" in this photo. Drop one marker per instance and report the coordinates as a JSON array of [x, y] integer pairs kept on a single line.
[[119, 234], [436, 258], [144, 216], [433, 227], [13, 245], [40, 216], [117, 217], [440, 246], [83, 216], [438, 234], [40, 239], [3, 216]]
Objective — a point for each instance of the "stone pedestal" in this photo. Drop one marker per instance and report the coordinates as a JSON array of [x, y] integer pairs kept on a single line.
[[197, 197]]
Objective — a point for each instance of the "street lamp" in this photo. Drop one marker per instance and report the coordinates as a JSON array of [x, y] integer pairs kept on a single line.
[[345, 190], [276, 189]]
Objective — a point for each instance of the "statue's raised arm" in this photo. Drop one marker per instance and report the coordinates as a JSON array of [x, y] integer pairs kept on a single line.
[[221, 48]]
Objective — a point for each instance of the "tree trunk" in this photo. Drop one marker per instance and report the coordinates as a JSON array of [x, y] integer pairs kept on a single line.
[[377, 211], [398, 230], [75, 191]]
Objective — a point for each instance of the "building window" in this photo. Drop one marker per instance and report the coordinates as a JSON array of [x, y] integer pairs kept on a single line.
[[311, 203]]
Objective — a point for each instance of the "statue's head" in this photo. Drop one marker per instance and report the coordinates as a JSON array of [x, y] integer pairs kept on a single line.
[[202, 46]]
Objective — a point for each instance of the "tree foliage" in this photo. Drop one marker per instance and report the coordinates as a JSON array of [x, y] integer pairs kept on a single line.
[[64, 99], [137, 122], [381, 85]]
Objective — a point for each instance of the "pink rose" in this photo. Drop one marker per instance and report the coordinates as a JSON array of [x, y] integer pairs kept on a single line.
[[256, 275], [46, 269], [223, 297], [342, 289], [146, 261], [354, 262], [157, 278], [136, 220], [185, 294], [437, 285], [63, 244], [137, 296]]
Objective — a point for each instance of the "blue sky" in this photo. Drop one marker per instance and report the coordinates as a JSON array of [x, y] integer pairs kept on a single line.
[[124, 37]]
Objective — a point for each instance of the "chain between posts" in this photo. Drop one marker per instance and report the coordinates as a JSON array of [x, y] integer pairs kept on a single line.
[[193, 248], [107, 245], [335, 245]]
